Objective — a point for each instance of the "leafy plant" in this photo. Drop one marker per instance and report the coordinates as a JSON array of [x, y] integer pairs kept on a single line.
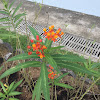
[[43, 50], [9, 91], [12, 19]]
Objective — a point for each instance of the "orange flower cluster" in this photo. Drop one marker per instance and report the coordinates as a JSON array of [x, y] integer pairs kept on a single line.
[[51, 34], [51, 75], [38, 47]]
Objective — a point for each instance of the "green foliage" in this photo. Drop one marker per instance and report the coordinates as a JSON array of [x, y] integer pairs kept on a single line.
[[63, 85], [69, 61], [8, 91], [12, 17], [12, 39], [23, 56], [19, 67]]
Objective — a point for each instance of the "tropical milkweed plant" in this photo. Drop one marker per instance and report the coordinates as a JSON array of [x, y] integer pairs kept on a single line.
[[43, 50], [11, 19]]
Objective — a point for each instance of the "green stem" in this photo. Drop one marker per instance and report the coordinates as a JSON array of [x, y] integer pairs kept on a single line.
[[89, 88], [55, 93], [52, 91]]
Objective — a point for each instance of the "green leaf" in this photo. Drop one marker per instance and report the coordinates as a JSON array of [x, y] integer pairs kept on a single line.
[[19, 67], [11, 86], [2, 95], [4, 19], [75, 67], [16, 85], [17, 8], [37, 90], [5, 27], [4, 89], [23, 56], [95, 65], [14, 93], [54, 48], [34, 32], [4, 12], [51, 61], [48, 44], [18, 16], [7, 35], [45, 86], [63, 85], [60, 77], [13, 99], [19, 22], [11, 4], [69, 58]]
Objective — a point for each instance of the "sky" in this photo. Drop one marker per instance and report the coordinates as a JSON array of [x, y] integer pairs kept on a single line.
[[91, 7]]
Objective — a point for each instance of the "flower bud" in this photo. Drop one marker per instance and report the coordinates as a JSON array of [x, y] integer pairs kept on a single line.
[[37, 37], [32, 41], [29, 47], [29, 53], [40, 40]]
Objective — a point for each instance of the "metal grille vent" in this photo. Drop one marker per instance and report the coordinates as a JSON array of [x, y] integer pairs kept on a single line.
[[71, 42]]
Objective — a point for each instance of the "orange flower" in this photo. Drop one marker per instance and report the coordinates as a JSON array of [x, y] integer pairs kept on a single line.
[[51, 75], [41, 55], [34, 47], [44, 29], [52, 35]]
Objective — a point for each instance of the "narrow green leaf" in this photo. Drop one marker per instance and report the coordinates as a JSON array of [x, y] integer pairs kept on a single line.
[[34, 32], [11, 86], [4, 19], [74, 67], [19, 67], [95, 65], [13, 99], [11, 4], [23, 56], [48, 44], [16, 85], [60, 77], [51, 61], [17, 8], [2, 95], [45, 86], [69, 58], [4, 12], [54, 48], [5, 27], [18, 16], [4, 89], [14, 93], [36, 91], [7, 35], [19, 22], [63, 85]]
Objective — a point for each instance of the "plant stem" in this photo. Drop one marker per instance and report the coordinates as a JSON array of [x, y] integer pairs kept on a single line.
[[89, 88], [52, 91], [55, 93]]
